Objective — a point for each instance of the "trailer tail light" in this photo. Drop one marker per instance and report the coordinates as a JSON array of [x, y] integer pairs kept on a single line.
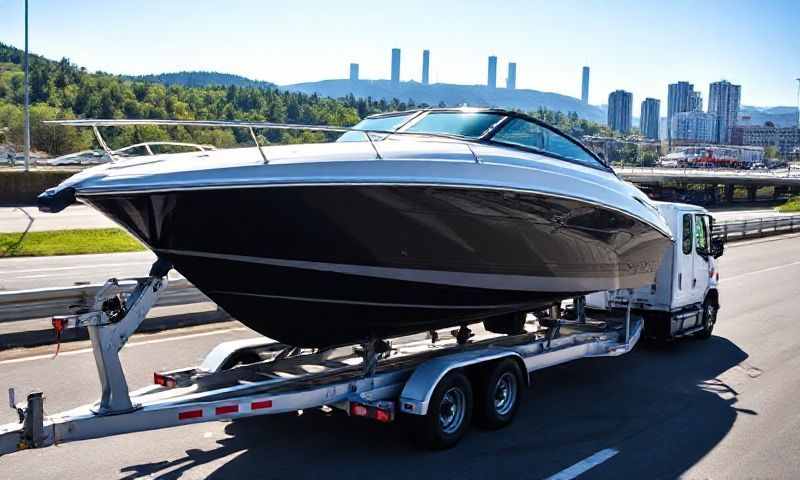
[[164, 380], [381, 411], [357, 410], [258, 405]]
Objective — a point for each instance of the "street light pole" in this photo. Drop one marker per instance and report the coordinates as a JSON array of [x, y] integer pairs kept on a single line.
[[27, 99]]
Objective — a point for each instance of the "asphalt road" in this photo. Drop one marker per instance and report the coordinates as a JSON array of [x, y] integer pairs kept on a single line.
[[726, 407], [20, 273], [17, 219]]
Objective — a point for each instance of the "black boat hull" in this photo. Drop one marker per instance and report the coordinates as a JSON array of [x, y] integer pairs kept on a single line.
[[324, 265]]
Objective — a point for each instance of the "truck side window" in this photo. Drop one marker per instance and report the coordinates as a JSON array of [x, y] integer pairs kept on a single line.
[[687, 234], [701, 234]]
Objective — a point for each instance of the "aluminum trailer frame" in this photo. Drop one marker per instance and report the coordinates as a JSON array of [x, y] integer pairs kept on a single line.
[[259, 376]]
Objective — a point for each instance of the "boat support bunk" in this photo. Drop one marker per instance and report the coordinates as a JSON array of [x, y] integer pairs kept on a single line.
[[426, 376]]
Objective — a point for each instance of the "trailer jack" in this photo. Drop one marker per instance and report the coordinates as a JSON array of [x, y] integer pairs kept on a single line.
[[110, 322]]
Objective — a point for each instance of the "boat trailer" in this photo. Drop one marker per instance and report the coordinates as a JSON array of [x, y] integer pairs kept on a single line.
[[259, 376]]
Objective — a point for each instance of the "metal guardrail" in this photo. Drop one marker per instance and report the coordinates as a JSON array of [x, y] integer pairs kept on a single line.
[[757, 227], [790, 172], [46, 302]]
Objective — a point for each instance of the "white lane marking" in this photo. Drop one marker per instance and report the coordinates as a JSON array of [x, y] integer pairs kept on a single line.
[[754, 272], [76, 267], [130, 345], [584, 465]]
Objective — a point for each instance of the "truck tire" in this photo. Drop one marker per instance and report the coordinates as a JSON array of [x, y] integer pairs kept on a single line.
[[499, 392], [449, 413], [709, 320], [508, 324]]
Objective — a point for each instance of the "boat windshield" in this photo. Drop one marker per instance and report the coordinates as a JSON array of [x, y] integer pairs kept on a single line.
[[530, 135], [471, 125], [387, 123]]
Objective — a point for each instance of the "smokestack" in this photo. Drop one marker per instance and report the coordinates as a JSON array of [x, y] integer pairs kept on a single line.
[[491, 82], [511, 80], [395, 65], [585, 86], [426, 65]]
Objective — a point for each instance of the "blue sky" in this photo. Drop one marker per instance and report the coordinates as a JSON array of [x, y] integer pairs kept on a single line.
[[639, 46]]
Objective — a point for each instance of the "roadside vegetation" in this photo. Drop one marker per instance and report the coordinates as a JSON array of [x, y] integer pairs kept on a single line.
[[791, 205], [67, 242]]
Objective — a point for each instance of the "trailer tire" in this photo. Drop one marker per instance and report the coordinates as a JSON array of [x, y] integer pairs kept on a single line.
[[709, 319], [508, 324], [500, 391], [449, 413]]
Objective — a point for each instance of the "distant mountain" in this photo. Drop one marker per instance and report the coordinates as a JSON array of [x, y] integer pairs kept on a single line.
[[202, 79], [780, 116], [451, 95]]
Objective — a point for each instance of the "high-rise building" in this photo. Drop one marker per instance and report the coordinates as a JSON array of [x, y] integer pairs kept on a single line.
[[491, 82], [620, 111], [723, 101], [511, 80], [395, 65], [585, 86], [694, 127], [426, 65], [785, 139], [353, 72], [649, 116], [696, 102], [681, 97]]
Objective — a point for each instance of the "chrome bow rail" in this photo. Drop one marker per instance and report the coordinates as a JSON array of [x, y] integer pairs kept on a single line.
[[250, 126]]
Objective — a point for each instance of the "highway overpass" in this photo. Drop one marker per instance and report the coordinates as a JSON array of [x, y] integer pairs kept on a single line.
[[715, 180]]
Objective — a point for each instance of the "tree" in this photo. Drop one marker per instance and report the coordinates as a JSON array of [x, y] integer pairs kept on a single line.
[[771, 152]]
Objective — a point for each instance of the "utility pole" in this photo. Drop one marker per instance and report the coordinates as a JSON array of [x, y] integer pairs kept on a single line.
[[27, 99]]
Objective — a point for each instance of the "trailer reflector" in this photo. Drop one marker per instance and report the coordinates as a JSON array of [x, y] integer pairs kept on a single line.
[[261, 404], [189, 414], [358, 410], [226, 409]]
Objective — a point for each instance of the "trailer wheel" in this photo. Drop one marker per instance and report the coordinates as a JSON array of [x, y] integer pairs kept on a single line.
[[709, 320], [449, 413], [500, 390], [508, 324]]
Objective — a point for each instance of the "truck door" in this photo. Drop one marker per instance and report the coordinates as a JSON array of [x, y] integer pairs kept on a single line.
[[702, 262], [683, 273]]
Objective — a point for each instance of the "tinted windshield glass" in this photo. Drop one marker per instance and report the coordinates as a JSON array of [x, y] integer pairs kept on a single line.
[[456, 123], [380, 123], [528, 134]]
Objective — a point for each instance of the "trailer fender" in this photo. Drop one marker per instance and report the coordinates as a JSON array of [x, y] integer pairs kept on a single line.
[[419, 387]]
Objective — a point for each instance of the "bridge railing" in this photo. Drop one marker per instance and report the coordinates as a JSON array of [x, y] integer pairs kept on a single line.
[[728, 172], [757, 227]]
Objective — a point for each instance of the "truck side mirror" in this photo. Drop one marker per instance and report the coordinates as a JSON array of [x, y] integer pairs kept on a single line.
[[717, 247]]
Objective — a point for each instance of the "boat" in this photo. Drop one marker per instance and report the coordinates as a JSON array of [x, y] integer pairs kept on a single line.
[[408, 222]]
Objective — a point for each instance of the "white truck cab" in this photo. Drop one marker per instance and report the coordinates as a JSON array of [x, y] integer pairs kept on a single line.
[[684, 299]]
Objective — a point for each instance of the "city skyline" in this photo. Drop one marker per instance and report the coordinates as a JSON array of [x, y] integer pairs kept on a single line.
[[760, 56]]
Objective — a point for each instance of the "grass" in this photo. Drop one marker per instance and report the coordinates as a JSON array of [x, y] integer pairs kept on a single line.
[[67, 242], [791, 205]]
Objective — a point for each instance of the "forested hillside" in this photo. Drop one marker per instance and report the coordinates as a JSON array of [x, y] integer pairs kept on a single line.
[[60, 90], [202, 79]]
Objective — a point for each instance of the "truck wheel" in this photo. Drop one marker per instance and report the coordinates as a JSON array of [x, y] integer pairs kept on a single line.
[[709, 320], [449, 413], [508, 324], [500, 391]]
